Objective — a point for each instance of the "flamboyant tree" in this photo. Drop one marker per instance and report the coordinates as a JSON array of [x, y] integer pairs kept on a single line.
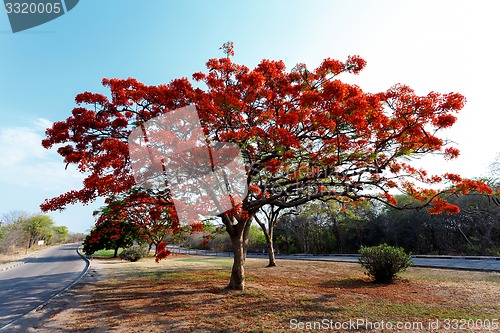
[[152, 214], [110, 234], [138, 215], [304, 134]]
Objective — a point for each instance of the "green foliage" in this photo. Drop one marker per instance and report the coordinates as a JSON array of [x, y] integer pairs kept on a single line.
[[384, 262], [106, 253], [19, 229], [326, 228], [61, 233], [38, 227], [110, 235], [323, 227], [12, 235], [256, 239], [134, 253], [3, 231]]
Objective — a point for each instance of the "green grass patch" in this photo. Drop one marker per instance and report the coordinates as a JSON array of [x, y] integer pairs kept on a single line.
[[298, 283], [106, 253], [251, 278], [448, 275]]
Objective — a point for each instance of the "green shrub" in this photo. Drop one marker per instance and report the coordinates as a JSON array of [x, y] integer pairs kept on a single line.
[[384, 262], [134, 253]]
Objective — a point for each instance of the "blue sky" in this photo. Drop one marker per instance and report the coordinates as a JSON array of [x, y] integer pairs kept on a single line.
[[430, 45]]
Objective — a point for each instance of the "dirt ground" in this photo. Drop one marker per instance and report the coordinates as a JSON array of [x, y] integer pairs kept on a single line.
[[186, 294], [19, 253], [7, 258]]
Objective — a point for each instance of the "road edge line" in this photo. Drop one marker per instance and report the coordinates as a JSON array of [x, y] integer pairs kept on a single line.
[[85, 270]]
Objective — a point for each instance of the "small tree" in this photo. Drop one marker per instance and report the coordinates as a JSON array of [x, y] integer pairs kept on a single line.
[[110, 235], [12, 236], [38, 227], [384, 262], [151, 213], [272, 216], [61, 233]]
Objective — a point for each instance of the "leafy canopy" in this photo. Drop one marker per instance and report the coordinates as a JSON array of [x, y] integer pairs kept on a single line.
[[304, 133]]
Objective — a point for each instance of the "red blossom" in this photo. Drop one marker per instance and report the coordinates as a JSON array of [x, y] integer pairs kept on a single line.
[[162, 252], [390, 199]]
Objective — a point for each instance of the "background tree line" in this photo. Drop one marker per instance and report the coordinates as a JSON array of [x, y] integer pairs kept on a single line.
[[321, 228], [22, 230], [327, 227]]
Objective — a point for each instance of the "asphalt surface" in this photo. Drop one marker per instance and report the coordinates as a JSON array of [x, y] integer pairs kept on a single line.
[[28, 284], [488, 264]]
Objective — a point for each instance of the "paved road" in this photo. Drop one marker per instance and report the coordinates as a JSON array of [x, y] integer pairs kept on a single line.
[[450, 262], [43, 276]]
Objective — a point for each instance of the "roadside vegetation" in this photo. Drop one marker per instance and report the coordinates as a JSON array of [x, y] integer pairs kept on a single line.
[[383, 263], [20, 232]]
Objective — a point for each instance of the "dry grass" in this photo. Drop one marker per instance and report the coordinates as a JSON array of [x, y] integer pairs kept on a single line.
[[18, 253], [186, 294]]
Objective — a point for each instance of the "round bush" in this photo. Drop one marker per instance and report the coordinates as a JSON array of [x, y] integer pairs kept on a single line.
[[134, 253], [384, 262]]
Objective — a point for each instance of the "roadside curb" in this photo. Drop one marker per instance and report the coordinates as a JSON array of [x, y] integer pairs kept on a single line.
[[22, 260], [470, 269], [41, 306], [421, 256], [11, 265]]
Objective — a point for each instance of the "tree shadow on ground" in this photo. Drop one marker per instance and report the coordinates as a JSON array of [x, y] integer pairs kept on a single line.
[[348, 283], [180, 300]]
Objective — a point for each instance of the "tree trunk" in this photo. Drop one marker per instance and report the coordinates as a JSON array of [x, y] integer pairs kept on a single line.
[[336, 232], [31, 241], [115, 255], [239, 241], [237, 281], [270, 249], [268, 233]]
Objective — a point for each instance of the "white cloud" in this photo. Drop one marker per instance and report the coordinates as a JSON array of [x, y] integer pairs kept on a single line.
[[30, 173], [43, 124], [19, 144], [24, 162]]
